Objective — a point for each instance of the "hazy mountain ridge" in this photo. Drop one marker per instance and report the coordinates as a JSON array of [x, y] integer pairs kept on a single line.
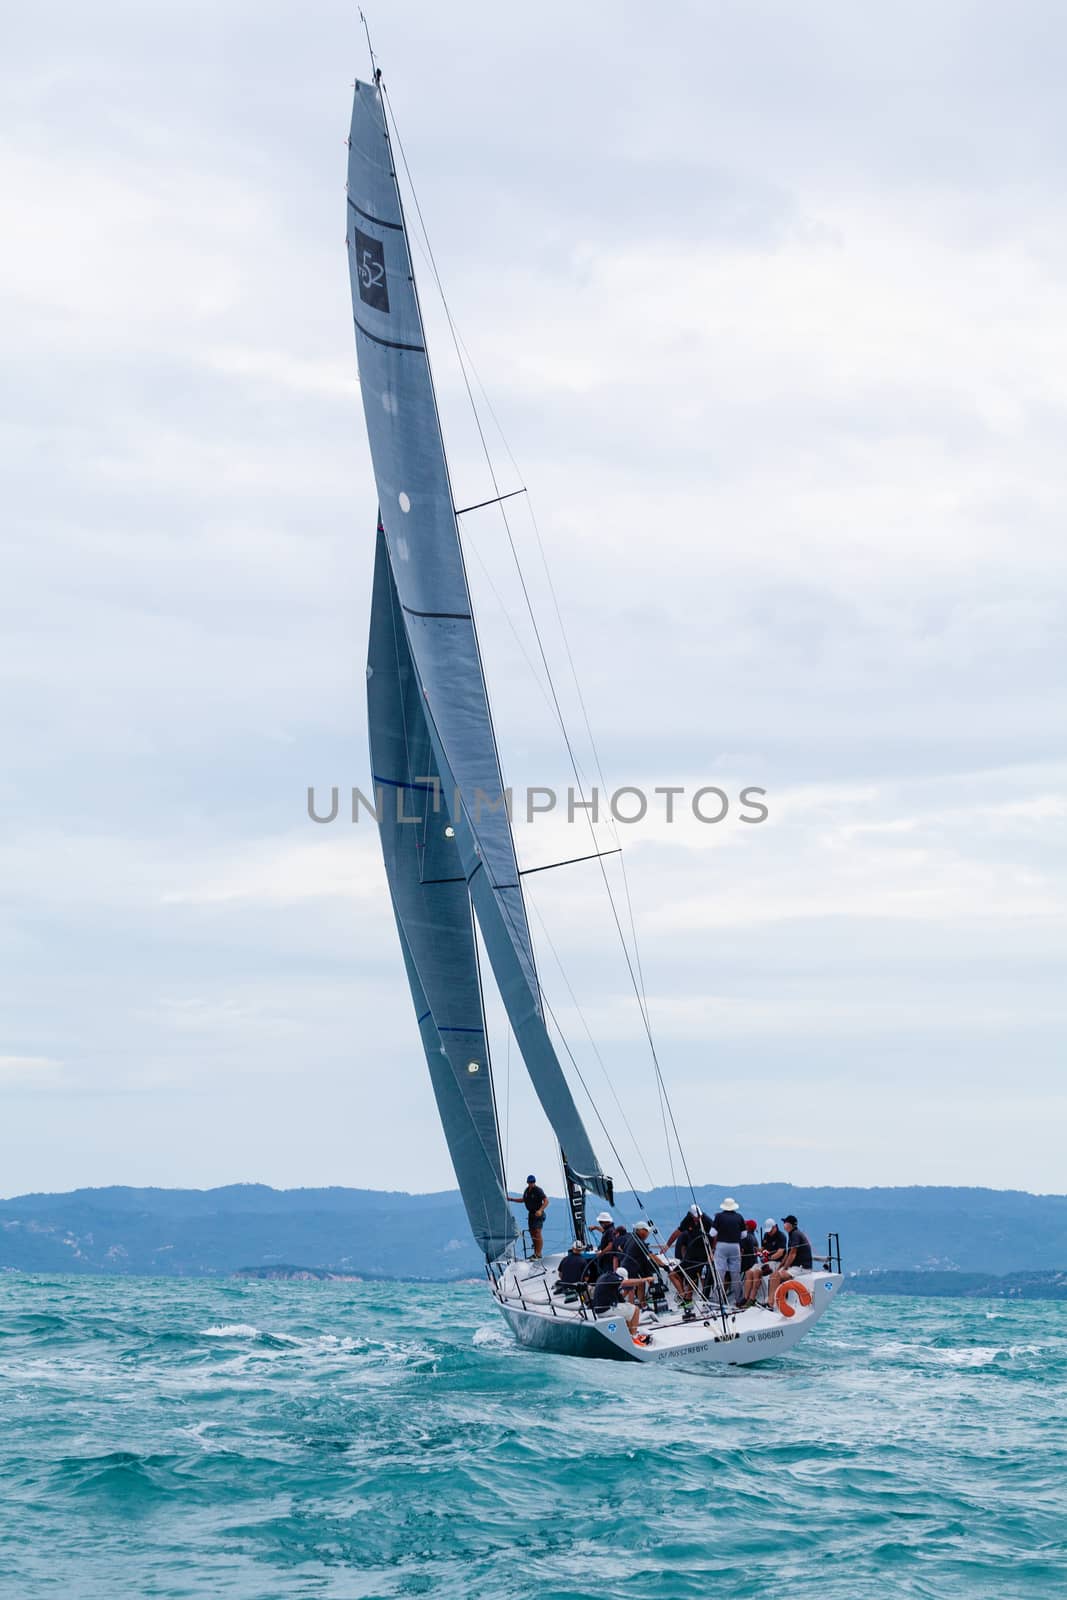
[[213, 1232]]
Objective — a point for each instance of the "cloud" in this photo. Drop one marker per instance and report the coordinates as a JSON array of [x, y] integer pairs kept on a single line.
[[30, 1072], [780, 362], [286, 873]]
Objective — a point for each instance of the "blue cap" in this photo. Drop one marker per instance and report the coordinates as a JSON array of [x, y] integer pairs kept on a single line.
[[531, 1177]]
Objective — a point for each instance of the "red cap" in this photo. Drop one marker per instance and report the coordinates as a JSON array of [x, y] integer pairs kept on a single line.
[[750, 1224]]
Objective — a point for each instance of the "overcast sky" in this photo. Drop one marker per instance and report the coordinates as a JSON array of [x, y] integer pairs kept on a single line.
[[771, 303]]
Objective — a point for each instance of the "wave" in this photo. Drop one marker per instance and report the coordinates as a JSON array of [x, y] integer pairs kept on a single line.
[[492, 1336], [240, 1441], [961, 1356], [245, 1330]]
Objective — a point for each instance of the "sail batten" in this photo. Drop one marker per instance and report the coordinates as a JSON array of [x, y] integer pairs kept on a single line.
[[424, 618]]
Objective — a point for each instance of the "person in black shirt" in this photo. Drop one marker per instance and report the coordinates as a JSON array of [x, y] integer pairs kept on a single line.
[[534, 1198], [607, 1294], [695, 1235], [771, 1254], [605, 1222], [695, 1221], [729, 1225], [797, 1258], [574, 1268], [639, 1259], [749, 1246], [612, 1239]]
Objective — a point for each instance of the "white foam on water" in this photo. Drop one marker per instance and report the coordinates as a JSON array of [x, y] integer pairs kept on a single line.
[[198, 1431], [961, 1356], [979, 1355], [231, 1330], [491, 1334]]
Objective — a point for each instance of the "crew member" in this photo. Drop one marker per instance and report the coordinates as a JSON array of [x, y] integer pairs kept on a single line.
[[729, 1225], [797, 1258], [607, 1294], [770, 1256], [607, 1247], [574, 1267], [534, 1198], [695, 1235], [640, 1259]]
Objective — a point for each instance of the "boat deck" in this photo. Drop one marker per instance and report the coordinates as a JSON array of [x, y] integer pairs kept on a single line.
[[716, 1333]]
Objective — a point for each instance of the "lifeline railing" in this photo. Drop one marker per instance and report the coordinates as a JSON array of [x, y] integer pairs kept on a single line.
[[712, 1299]]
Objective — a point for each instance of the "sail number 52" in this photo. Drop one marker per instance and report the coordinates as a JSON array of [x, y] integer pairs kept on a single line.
[[370, 272]]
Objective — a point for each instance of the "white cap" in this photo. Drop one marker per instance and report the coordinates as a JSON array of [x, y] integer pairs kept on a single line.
[[579, 1244], [694, 1211], [644, 1223], [729, 1204], [605, 1216], [770, 1223]]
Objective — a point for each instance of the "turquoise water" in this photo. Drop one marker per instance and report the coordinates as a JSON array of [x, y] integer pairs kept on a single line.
[[195, 1439]]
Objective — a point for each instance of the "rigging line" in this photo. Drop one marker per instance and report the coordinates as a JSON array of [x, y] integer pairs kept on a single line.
[[544, 1006], [522, 580], [484, 443], [461, 353], [466, 360], [472, 546], [640, 990], [518, 566], [643, 999], [544, 562], [592, 1102], [592, 1041], [387, 116], [638, 984], [508, 619]]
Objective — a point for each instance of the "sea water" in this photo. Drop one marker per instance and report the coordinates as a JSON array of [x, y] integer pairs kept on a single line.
[[277, 1440]]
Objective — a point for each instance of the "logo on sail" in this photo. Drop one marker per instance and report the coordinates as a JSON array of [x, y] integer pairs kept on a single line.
[[370, 271]]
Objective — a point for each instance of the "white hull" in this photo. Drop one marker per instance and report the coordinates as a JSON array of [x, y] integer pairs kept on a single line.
[[543, 1321]]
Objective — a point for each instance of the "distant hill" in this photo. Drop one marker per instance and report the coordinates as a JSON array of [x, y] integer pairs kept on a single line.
[[374, 1233], [963, 1285]]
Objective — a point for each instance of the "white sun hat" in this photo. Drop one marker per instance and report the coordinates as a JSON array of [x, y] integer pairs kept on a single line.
[[729, 1204], [605, 1216]]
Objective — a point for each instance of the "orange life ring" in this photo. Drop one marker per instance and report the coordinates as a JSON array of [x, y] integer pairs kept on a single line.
[[784, 1290]]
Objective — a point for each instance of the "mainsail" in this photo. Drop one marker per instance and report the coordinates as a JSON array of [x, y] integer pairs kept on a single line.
[[432, 737]]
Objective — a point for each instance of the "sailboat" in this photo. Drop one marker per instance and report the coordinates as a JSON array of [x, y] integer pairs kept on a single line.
[[446, 837]]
